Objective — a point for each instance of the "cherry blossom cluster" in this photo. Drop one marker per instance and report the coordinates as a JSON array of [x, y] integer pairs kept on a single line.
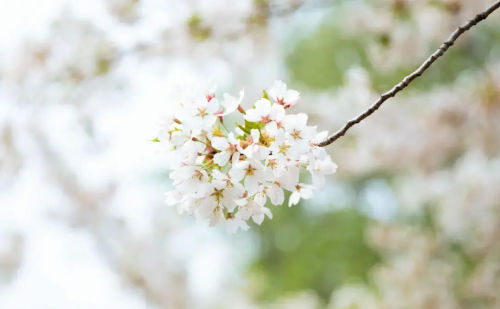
[[226, 176]]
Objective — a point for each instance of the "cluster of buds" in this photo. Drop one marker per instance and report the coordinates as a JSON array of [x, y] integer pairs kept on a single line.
[[225, 177]]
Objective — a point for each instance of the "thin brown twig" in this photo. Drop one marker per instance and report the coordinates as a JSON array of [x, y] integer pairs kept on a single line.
[[408, 79]]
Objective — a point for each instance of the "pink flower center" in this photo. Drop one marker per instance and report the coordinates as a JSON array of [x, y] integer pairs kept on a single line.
[[265, 119], [210, 96]]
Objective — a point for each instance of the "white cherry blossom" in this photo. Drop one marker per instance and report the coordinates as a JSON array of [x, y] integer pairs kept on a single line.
[[189, 178], [251, 172], [286, 178], [272, 115], [201, 112], [250, 208], [230, 104], [281, 95], [320, 168], [228, 149], [226, 178], [301, 191], [253, 148], [233, 224], [298, 133], [280, 147]]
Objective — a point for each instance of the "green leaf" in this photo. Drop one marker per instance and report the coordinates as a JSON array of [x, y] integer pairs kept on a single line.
[[253, 125], [265, 96], [156, 140], [243, 129]]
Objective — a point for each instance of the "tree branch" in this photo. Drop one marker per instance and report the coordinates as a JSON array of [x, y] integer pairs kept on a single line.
[[408, 79]]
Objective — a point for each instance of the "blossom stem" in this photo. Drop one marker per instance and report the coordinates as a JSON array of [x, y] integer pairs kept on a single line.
[[222, 123], [197, 140], [408, 79]]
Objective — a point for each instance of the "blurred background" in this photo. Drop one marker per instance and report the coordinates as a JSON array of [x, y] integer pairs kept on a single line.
[[410, 220]]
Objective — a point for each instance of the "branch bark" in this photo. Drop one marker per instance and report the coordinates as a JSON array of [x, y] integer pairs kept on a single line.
[[408, 79]]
